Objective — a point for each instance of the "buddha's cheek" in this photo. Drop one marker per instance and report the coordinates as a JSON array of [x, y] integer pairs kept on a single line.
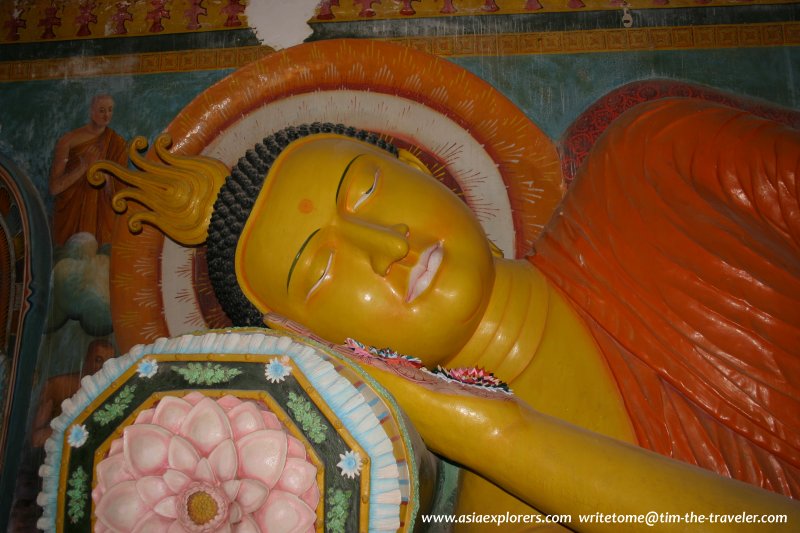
[[434, 328]]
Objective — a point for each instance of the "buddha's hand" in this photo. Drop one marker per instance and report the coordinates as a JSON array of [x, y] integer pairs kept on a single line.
[[446, 412]]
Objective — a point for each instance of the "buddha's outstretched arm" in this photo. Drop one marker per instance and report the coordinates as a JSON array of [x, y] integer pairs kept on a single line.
[[559, 468], [554, 466]]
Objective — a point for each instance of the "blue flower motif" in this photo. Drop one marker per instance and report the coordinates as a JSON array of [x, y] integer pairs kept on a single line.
[[277, 369], [350, 464], [147, 368], [77, 436]]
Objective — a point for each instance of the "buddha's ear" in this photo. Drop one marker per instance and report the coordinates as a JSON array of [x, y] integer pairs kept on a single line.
[[410, 159], [496, 251]]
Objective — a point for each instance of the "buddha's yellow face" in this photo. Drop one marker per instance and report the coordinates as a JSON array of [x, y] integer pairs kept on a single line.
[[350, 241]]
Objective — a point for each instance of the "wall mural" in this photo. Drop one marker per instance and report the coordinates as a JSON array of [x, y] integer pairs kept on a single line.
[[506, 122]]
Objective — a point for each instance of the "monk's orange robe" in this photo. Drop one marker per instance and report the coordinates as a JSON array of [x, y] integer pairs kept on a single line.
[[82, 207], [679, 244]]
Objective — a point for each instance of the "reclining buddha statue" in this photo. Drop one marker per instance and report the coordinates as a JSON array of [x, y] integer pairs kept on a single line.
[[659, 309]]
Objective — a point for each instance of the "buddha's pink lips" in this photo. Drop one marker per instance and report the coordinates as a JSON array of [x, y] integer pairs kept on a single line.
[[423, 271]]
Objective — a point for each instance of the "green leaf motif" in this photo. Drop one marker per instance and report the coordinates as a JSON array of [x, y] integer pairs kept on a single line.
[[77, 494], [114, 410], [310, 420], [208, 374], [338, 509]]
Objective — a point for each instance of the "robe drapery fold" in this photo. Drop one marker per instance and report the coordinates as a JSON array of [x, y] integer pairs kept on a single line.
[[83, 207], [679, 244]]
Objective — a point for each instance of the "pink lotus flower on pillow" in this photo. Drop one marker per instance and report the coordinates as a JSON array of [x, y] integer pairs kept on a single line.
[[195, 464]]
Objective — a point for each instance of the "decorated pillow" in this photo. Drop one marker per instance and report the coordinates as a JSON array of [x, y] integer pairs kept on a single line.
[[231, 431]]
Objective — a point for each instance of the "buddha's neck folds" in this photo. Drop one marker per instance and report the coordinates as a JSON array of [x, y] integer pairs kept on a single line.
[[511, 330]]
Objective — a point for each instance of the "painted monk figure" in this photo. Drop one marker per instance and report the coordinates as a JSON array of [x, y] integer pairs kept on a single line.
[[661, 309], [79, 206]]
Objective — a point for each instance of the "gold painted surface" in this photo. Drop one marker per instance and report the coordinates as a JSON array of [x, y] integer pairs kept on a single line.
[[616, 40], [179, 190]]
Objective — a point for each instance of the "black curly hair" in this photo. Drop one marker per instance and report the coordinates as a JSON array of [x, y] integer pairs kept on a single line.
[[235, 202]]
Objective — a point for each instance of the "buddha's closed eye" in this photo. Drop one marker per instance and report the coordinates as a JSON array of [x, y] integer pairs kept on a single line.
[[322, 277], [366, 195]]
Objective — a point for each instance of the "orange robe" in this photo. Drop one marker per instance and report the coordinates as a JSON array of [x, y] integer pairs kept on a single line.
[[679, 244], [82, 207]]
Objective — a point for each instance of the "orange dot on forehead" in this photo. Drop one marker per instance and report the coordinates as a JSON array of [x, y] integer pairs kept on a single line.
[[305, 206]]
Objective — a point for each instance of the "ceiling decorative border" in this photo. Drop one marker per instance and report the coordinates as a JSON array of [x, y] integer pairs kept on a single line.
[[42, 21], [52, 20], [150, 63], [616, 40], [338, 11], [561, 42]]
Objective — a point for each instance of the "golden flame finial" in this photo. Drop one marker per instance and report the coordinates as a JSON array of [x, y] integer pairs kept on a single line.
[[179, 191]]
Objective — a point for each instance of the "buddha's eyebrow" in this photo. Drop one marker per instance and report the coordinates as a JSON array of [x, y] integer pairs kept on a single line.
[[341, 180], [297, 257]]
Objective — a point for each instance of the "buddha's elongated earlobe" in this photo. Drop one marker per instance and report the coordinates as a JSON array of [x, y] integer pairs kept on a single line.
[[179, 191], [410, 159]]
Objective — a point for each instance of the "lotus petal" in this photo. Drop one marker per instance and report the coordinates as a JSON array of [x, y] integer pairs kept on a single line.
[[152, 522], [252, 495], [228, 402], [311, 496], [194, 397], [262, 455], [176, 480], [121, 508], [145, 417], [204, 473], [247, 525], [116, 447], [153, 489], [206, 426], [182, 455], [246, 418], [270, 420], [176, 527], [296, 448], [111, 471], [168, 507], [170, 412], [298, 475], [224, 461], [145, 448], [231, 488], [234, 513], [284, 513]]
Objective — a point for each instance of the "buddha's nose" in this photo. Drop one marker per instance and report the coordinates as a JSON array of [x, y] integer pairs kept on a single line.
[[383, 244]]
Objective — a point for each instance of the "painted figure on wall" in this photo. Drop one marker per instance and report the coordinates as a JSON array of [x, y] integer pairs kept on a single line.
[[59, 388], [79, 206], [658, 307]]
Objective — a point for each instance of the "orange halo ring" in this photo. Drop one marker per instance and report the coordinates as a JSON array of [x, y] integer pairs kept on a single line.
[[153, 285]]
